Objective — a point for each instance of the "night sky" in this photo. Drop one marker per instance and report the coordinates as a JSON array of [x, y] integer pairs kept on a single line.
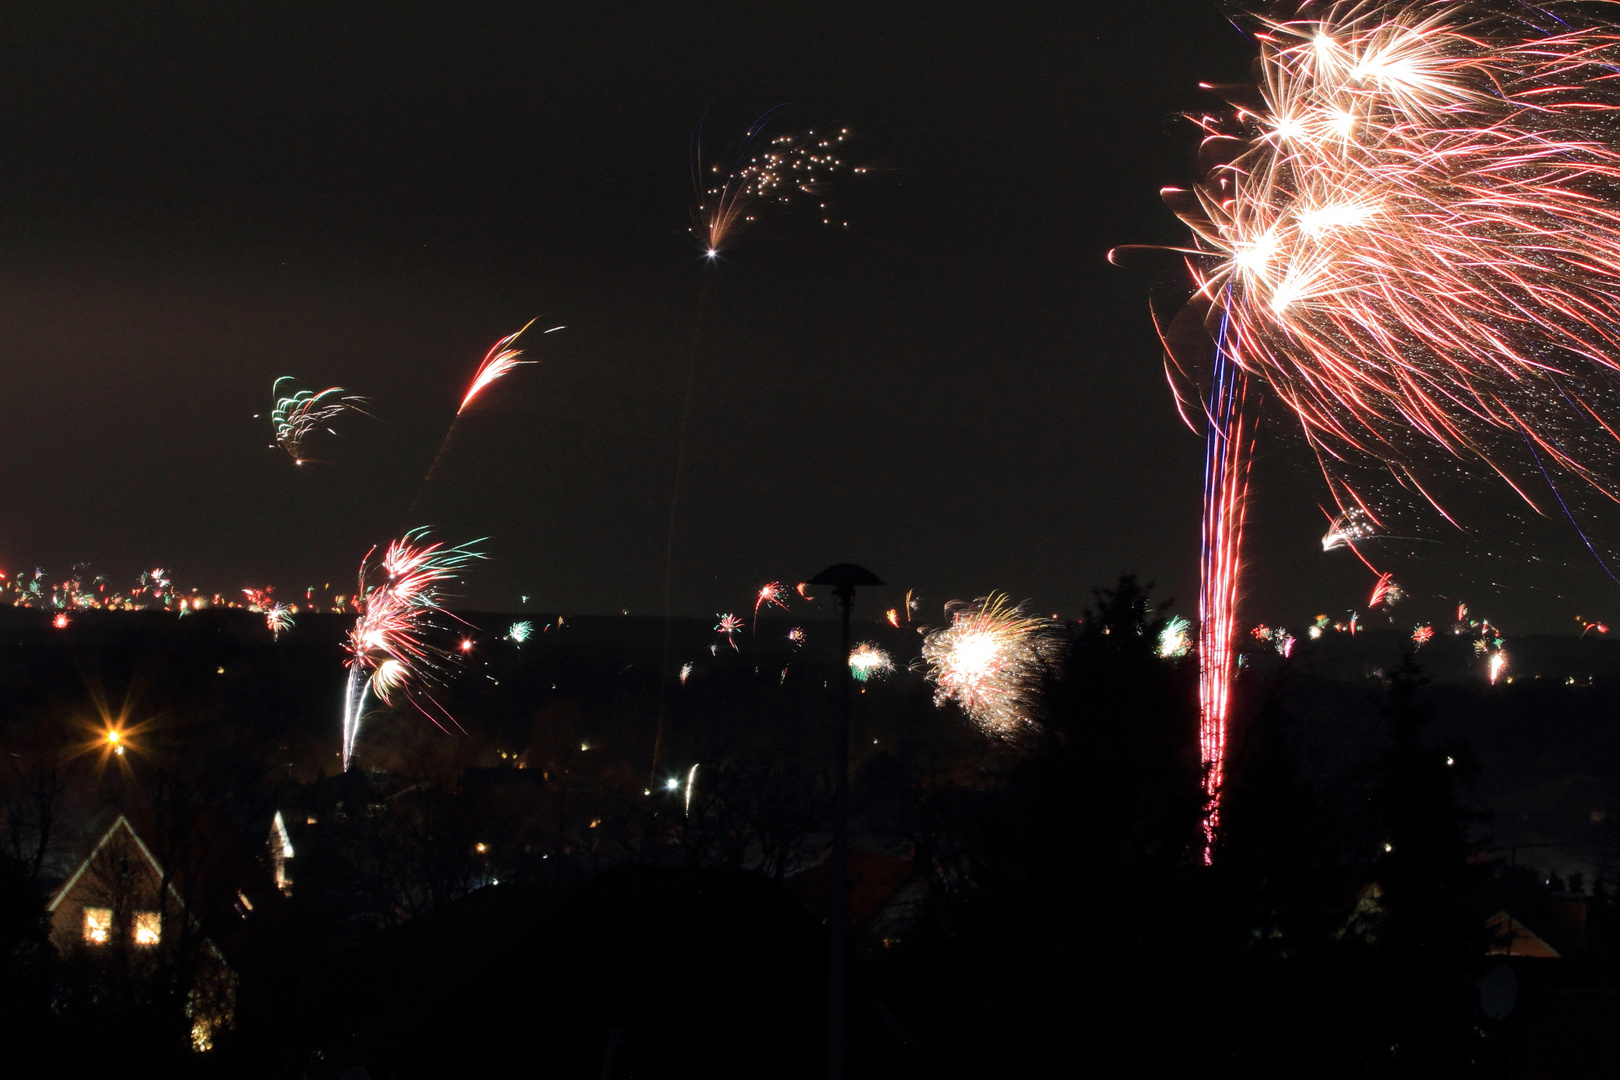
[[958, 391]]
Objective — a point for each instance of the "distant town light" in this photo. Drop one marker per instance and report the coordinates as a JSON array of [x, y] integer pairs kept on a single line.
[[672, 784]]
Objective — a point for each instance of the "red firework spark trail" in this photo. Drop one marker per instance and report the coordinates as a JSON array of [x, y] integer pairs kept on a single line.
[[1229, 443], [1415, 236], [1409, 231]]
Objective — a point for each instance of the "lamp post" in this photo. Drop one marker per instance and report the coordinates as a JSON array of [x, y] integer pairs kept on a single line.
[[844, 578]]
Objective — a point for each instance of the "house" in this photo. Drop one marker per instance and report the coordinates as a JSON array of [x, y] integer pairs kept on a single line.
[[118, 904]]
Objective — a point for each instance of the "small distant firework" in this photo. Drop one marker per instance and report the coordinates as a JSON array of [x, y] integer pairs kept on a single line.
[[781, 170], [1276, 637], [1422, 634], [259, 599], [298, 414], [1175, 640], [390, 653], [519, 632], [796, 636], [691, 779], [1350, 526], [278, 617], [893, 617], [686, 672], [769, 594], [803, 589], [869, 661], [60, 622], [1589, 625], [500, 360], [991, 661], [1386, 592], [728, 625], [1497, 665]]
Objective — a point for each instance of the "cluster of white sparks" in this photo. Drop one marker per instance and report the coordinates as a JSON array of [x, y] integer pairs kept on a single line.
[[992, 661], [782, 168], [869, 660]]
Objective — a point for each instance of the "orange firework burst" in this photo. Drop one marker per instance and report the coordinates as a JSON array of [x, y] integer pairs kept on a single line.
[[991, 660]]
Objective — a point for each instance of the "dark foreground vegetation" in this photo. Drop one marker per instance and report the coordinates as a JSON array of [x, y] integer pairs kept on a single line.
[[523, 898]]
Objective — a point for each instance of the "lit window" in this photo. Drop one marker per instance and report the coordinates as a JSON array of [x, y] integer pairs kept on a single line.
[[97, 925], [147, 928]]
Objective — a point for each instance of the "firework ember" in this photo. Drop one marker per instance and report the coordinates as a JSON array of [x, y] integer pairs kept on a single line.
[[991, 660], [391, 652], [786, 168]]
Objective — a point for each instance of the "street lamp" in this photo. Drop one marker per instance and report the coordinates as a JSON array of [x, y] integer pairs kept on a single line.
[[844, 578]]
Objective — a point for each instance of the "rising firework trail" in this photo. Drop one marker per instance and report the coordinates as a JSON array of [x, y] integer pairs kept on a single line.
[[499, 361], [758, 171], [1409, 232], [392, 652]]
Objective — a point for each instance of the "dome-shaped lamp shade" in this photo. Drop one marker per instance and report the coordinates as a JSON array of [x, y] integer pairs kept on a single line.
[[845, 576]]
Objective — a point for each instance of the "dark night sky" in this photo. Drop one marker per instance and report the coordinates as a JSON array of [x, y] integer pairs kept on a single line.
[[958, 391]]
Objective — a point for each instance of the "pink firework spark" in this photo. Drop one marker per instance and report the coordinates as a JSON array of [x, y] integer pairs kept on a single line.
[[500, 360], [769, 594], [392, 654], [728, 625]]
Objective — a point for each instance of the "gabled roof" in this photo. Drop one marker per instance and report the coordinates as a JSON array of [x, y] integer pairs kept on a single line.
[[1520, 939], [120, 820]]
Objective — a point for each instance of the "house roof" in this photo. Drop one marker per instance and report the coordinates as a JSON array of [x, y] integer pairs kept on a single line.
[[121, 821]]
